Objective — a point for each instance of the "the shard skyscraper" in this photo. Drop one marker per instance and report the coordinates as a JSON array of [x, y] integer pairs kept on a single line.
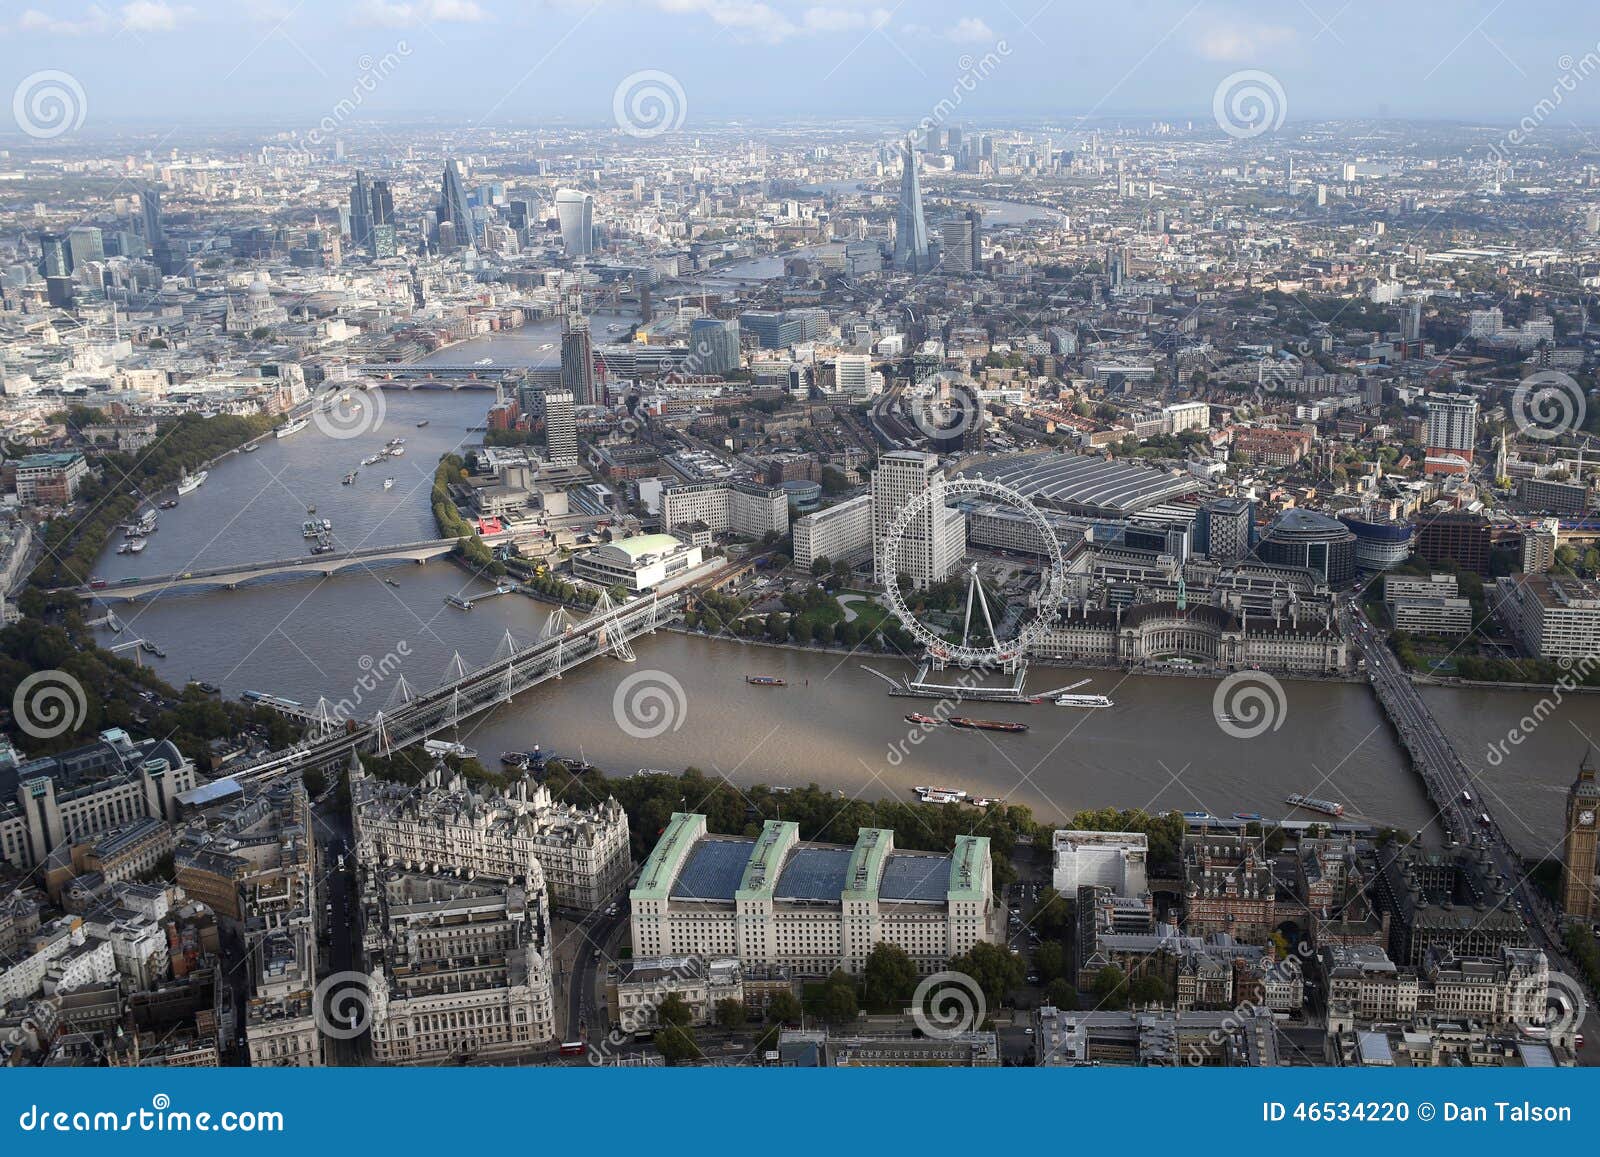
[[911, 228]]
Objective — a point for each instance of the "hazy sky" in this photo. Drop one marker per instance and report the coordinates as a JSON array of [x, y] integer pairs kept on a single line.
[[497, 61]]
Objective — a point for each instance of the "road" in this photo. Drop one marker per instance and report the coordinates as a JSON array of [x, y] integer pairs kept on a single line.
[[1460, 799], [337, 934]]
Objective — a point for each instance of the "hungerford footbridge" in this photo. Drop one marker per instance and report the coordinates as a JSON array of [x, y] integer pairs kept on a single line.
[[334, 736]]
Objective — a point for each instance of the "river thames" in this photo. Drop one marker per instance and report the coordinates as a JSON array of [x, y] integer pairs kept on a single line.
[[834, 724]]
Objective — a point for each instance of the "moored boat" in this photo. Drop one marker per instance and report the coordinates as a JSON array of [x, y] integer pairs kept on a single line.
[[924, 720], [1083, 701], [765, 681], [1311, 803], [970, 724]]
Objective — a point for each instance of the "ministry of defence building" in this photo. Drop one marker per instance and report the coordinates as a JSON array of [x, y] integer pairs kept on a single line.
[[813, 908]]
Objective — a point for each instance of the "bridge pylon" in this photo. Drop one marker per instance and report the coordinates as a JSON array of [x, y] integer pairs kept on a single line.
[[610, 636]]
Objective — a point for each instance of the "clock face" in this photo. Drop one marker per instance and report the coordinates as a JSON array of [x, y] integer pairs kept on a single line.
[[1586, 818]]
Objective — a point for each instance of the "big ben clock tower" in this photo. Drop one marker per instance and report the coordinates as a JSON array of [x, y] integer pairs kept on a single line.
[[1579, 899]]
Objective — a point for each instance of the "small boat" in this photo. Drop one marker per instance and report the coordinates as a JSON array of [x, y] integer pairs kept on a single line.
[[150, 648], [1083, 701], [288, 428], [388, 483], [322, 548], [125, 548], [391, 582], [986, 801], [136, 546], [208, 688], [1200, 817], [765, 681], [924, 720], [349, 478], [1311, 803], [311, 510], [987, 724], [1250, 816], [514, 758], [422, 423], [168, 504], [397, 451], [484, 362], [445, 747], [250, 449], [939, 794]]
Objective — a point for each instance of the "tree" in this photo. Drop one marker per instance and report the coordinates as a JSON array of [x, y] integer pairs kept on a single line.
[[1062, 994], [890, 976], [838, 1003], [993, 968], [784, 1008], [1111, 988], [677, 1043], [673, 1011], [1050, 960], [731, 1014], [843, 572], [1148, 989], [1055, 914], [820, 566]]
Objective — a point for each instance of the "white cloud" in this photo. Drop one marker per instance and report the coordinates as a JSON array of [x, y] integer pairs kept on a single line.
[[1241, 42], [139, 16], [405, 15], [969, 30]]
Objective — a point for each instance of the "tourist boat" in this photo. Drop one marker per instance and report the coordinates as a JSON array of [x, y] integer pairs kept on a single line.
[[168, 504], [445, 747], [1083, 701], [150, 648], [397, 451], [939, 794], [924, 720], [323, 546], [250, 449], [293, 427], [765, 681], [145, 525], [1200, 817], [1311, 803], [986, 724], [484, 362], [986, 801], [422, 423], [371, 458], [189, 483], [316, 527], [126, 548], [388, 483], [1250, 817], [136, 545]]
